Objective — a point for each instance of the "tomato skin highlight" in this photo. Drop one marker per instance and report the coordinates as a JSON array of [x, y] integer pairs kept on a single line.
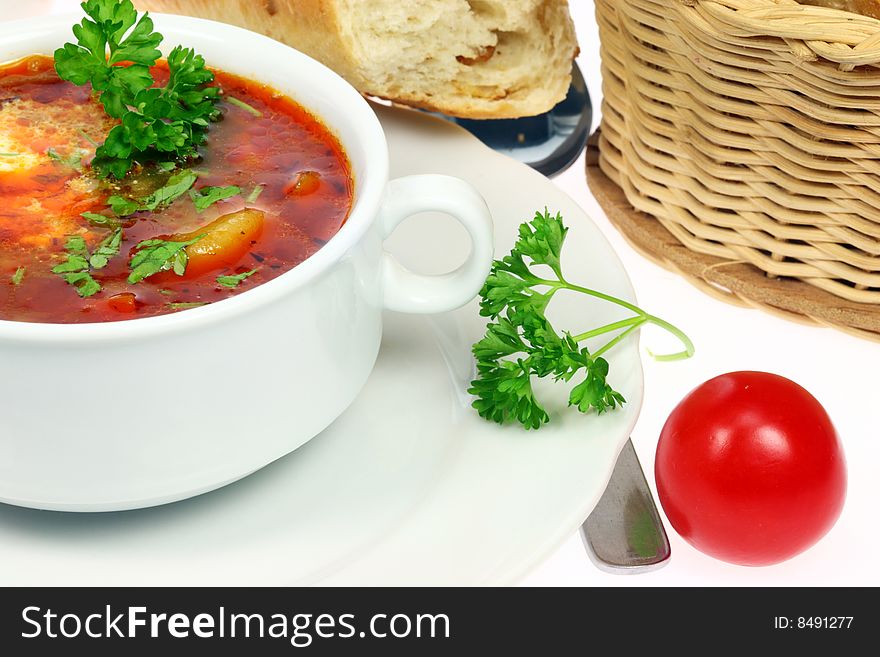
[[750, 469]]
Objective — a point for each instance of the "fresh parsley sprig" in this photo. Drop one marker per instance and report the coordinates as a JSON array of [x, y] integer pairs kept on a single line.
[[156, 123], [520, 343]]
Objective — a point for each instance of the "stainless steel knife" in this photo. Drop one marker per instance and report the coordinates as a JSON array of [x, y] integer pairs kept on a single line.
[[624, 534]]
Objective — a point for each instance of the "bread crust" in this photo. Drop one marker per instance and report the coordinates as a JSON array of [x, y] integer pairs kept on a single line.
[[314, 27], [313, 24]]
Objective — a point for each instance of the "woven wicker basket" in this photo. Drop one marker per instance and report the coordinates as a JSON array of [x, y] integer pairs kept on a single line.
[[746, 133]]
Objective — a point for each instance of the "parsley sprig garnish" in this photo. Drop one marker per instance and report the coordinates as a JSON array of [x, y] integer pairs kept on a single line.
[[156, 123], [520, 343]]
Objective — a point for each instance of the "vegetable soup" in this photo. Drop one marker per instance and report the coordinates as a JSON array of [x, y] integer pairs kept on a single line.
[[98, 226]]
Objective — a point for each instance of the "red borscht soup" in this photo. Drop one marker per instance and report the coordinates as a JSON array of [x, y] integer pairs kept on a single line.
[[269, 186]]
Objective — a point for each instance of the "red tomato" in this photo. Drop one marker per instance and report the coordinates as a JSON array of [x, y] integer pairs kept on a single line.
[[126, 302], [305, 183], [749, 469]]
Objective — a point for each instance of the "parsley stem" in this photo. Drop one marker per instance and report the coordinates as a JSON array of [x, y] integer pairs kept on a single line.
[[651, 319], [243, 105], [602, 330], [689, 348], [613, 343], [604, 297], [85, 136]]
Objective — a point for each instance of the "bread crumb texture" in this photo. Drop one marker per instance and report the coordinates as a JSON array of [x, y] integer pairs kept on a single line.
[[469, 58], [465, 57]]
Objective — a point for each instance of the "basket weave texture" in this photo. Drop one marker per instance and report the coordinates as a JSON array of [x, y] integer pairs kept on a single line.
[[750, 129]]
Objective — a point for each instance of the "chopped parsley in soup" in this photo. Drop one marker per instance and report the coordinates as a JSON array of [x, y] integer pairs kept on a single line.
[[133, 186]]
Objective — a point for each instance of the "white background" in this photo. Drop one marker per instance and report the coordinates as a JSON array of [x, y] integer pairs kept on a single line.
[[839, 370]]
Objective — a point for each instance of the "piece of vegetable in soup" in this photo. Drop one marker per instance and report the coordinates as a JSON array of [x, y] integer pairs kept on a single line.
[[266, 189]]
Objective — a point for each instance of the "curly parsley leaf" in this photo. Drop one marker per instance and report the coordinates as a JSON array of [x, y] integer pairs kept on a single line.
[[519, 346], [235, 280], [504, 393], [156, 123], [207, 196], [520, 343], [86, 61], [594, 391], [178, 184], [541, 240], [154, 256], [186, 92]]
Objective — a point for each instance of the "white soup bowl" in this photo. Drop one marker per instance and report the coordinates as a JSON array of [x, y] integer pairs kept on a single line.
[[123, 415]]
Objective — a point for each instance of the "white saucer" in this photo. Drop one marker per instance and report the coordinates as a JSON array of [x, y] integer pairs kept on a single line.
[[410, 486]]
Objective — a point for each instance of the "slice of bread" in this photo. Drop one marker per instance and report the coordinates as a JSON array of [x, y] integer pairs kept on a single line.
[[467, 58]]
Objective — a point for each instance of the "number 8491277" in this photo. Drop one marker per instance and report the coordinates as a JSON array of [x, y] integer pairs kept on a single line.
[[813, 622]]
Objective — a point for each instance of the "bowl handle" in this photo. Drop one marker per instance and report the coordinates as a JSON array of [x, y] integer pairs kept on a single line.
[[408, 292]]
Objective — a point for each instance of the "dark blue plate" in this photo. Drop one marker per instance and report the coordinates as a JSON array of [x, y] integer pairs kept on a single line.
[[549, 143]]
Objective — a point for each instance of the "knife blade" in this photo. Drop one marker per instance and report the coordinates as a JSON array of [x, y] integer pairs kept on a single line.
[[624, 534]]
